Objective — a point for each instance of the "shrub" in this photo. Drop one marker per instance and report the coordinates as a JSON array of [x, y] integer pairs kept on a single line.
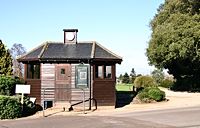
[[144, 81], [156, 94], [151, 94], [166, 83], [10, 107], [7, 85], [29, 107]]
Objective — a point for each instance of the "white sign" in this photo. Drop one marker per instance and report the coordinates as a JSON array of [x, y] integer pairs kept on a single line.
[[25, 89]]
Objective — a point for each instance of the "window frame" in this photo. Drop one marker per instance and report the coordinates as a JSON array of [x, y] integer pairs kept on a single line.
[[33, 67], [104, 72]]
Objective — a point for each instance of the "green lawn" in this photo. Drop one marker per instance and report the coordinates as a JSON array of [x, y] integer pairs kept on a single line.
[[124, 87]]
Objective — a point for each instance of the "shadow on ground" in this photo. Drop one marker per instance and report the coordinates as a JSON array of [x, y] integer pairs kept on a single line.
[[124, 98]]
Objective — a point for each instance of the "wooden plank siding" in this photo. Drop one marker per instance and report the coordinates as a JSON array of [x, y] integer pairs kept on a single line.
[[104, 89], [35, 89], [77, 94], [47, 81], [35, 86]]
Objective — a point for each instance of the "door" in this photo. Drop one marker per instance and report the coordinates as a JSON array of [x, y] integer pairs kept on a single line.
[[63, 78]]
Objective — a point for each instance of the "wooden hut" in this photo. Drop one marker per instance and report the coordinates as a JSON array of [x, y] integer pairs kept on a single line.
[[71, 64]]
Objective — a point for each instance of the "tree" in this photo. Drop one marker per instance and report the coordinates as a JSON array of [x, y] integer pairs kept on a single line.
[[132, 75], [175, 40], [126, 79], [17, 50], [158, 75], [5, 61]]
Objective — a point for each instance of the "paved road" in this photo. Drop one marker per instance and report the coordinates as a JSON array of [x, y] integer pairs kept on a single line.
[[183, 118], [80, 122]]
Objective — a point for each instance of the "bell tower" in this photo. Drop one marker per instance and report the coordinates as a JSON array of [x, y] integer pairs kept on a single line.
[[70, 36]]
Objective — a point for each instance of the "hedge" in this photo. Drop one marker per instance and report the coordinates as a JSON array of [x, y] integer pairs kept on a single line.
[[10, 107], [7, 85]]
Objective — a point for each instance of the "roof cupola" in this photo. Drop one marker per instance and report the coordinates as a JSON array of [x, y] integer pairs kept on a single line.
[[70, 36]]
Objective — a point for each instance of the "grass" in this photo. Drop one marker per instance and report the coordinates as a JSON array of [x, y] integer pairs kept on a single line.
[[124, 87], [124, 94]]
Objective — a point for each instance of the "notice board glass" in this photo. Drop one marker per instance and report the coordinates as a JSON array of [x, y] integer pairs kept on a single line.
[[81, 76]]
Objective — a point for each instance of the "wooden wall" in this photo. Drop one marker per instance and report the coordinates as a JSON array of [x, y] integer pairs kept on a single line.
[[35, 86], [104, 90], [77, 94], [47, 81], [35, 89]]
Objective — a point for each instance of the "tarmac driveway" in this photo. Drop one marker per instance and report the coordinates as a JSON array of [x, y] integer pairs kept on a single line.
[[80, 122]]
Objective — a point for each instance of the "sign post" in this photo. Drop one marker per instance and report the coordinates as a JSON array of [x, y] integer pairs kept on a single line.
[[23, 89]]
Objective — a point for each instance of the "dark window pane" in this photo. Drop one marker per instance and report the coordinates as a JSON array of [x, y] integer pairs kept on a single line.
[[36, 71], [33, 71], [62, 71]]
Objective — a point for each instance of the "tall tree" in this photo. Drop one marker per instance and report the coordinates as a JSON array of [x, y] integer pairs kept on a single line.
[[17, 50], [5, 60], [158, 75], [126, 78], [132, 75], [175, 40]]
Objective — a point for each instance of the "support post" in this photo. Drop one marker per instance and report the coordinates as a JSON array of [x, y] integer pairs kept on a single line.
[[83, 101], [90, 103], [43, 103], [22, 101]]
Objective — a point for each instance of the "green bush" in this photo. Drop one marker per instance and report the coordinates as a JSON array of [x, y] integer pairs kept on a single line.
[[151, 94], [144, 81], [7, 85], [166, 83], [10, 107], [156, 94], [29, 107]]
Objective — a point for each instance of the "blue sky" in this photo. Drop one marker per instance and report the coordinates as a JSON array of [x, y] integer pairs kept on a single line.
[[120, 25]]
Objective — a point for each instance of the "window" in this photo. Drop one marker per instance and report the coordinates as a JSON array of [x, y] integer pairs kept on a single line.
[[62, 71], [103, 71], [99, 71], [33, 71], [107, 71]]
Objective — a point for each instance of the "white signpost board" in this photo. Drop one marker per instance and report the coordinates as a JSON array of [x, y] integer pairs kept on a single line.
[[23, 89]]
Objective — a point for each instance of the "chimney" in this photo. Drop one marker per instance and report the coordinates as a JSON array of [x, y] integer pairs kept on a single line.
[[70, 36]]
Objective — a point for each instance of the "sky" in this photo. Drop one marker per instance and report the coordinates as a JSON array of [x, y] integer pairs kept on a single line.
[[122, 26]]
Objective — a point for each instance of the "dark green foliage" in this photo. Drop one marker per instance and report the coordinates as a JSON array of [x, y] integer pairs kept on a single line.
[[144, 97], [156, 94], [29, 108], [144, 81], [7, 85], [132, 75], [166, 83], [10, 107], [5, 61], [151, 94], [126, 78], [121, 77], [174, 43], [185, 85]]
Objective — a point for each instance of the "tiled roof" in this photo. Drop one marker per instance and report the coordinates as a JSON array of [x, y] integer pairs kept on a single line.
[[65, 52]]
